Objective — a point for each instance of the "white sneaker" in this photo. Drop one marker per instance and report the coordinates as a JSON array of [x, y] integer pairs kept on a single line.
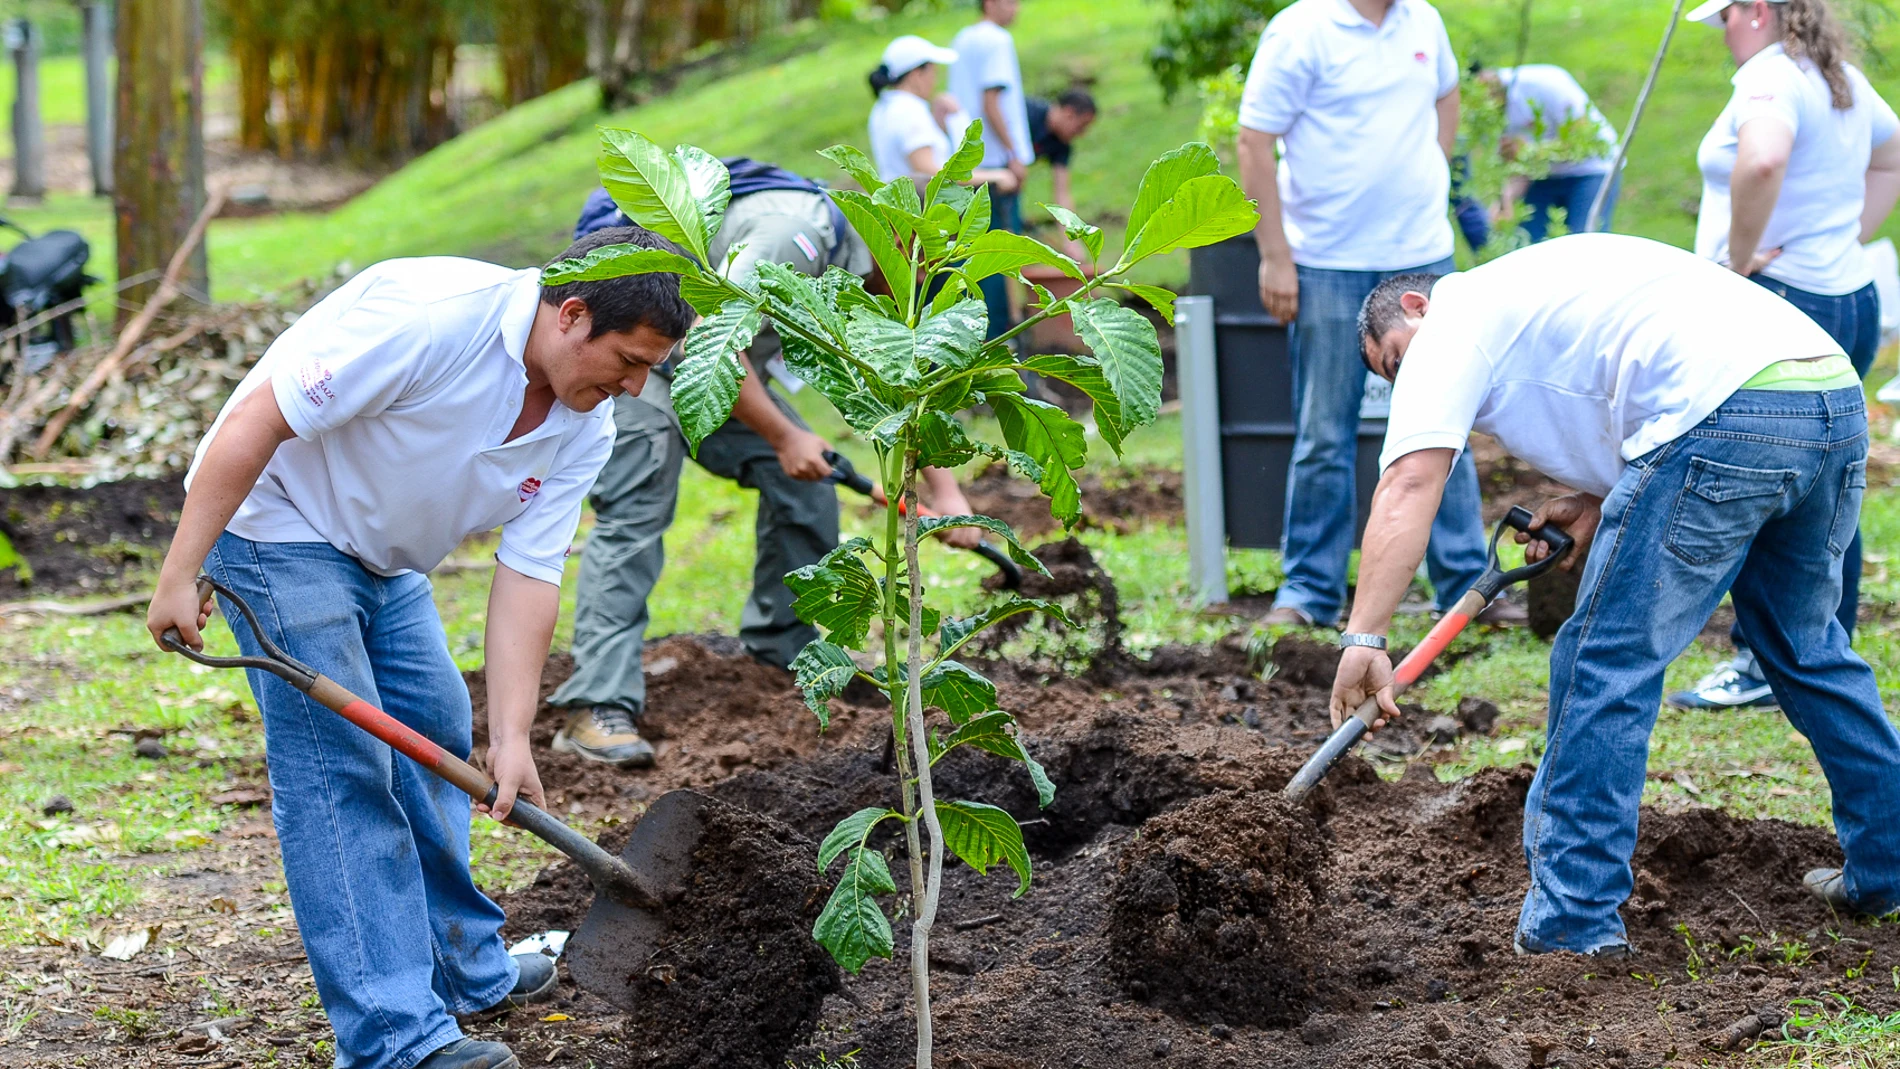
[[1726, 688]]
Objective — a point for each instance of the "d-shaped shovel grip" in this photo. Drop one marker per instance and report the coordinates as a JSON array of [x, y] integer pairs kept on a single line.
[[607, 872]]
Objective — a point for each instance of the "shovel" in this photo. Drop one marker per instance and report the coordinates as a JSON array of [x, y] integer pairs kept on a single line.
[[1481, 594], [844, 474], [625, 925]]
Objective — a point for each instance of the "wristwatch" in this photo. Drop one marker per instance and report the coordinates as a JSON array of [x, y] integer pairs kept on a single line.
[[1349, 638]]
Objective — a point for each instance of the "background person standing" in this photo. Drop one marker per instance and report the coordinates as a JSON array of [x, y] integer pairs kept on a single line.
[[1799, 169], [1363, 97], [987, 78], [913, 128], [1539, 98]]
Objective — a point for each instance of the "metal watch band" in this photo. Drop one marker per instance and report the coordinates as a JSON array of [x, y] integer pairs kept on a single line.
[[1350, 638]]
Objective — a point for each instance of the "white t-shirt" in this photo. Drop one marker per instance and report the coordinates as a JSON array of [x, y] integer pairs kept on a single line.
[[1816, 221], [1363, 180], [986, 59], [1586, 352], [902, 123], [401, 387], [1544, 92]]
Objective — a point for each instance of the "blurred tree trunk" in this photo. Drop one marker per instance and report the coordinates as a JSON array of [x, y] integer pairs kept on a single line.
[[159, 152], [543, 45], [624, 61]]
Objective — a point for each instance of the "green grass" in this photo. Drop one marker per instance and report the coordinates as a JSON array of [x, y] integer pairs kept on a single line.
[[1837, 1034]]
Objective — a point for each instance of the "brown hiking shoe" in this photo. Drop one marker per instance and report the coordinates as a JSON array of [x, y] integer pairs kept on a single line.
[[604, 733]]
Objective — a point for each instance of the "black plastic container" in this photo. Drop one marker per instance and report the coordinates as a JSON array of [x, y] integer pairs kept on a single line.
[[1256, 399]]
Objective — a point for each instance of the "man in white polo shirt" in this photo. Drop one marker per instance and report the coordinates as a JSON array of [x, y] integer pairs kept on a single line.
[[1718, 439], [1362, 95], [987, 79], [424, 401]]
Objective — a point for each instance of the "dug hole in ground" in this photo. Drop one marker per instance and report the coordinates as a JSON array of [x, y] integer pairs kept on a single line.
[[1182, 914]]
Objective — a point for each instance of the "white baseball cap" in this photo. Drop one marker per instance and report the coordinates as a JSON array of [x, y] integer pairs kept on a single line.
[[910, 52], [1709, 13]]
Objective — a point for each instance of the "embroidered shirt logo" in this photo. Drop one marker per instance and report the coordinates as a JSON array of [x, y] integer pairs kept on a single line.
[[805, 246], [313, 378], [528, 488], [1420, 56]]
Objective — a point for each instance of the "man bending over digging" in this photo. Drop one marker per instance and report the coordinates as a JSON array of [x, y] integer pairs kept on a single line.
[[1719, 441], [424, 401]]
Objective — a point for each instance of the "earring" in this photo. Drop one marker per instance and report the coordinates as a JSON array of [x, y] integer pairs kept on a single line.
[[1754, 24]]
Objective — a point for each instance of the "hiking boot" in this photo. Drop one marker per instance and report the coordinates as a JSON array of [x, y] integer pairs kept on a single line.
[[1728, 687], [468, 1053], [534, 983], [604, 733], [1502, 612], [1286, 616]]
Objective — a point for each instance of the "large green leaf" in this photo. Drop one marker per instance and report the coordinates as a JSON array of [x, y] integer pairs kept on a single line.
[[1046, 435], [942, 442], [961, 164], [991, 733], [822, 670], [710, 182], [901, 197], [930, 525], [1075, 229], [1124, 342], [983, 835], [652, 188], [957, 630], [871, 225], [1001, 252], [1164, 176], [1159, 299], [976, 216], [856, 164], [706, 293], [851, 832], [707, 382], [1202, 212], [853, 926], [953, 337], [801, 300], [958, 690], [838, 594], [888, 346], [1085, 374], [616, 261], [828, 373]]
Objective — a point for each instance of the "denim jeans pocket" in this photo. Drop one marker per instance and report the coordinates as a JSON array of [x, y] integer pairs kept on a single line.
[[1840, 533], [1720, 508]]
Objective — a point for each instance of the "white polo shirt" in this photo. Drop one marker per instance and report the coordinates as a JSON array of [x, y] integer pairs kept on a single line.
[[1363, 181], [401, 387], [901, 123], [1816, 220], [1586, 352], [1546, 94], [986, 59]]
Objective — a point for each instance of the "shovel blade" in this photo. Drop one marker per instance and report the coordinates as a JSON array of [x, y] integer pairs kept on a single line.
[[609, 954]]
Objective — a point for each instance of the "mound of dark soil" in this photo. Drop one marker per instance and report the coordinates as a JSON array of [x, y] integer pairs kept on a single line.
[[1217, 909], [1151, 495], [76, 541]]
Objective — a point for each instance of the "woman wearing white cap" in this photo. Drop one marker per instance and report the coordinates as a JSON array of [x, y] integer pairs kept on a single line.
[[1799, 169], [909, 137]]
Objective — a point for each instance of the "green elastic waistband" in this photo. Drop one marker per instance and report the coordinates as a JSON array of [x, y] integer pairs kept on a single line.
[[1832, 373]]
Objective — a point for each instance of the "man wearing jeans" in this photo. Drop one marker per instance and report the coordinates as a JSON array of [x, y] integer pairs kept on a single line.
[[424, 401], [987, 80], [1362, 96], [1718, 439]]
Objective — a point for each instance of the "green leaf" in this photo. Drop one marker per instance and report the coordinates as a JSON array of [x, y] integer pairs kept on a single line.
[[853, 926], [615, 261], [958, 690], [951, 292], [822, 671], [705, 295], [991, 733], [710, 183], [852, 831], [888, 346], [856, 164], [1164, 176], [983, 835], [827, 372], [707, 382], [942, 442], [1124, 342], [1075, 229], [932, 524], [953, 337], [901, 197], [869, 222], [838, 594], [961, 165], [957, 630], [957, 198], [976, 217], [1202, 212], [1001, 252], [652, 188], [802, 300], [1054, 441], [1085, 374], [1159, 299]]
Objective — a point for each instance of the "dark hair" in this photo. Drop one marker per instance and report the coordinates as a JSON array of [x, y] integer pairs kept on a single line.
[[882, 78], [1809, 32], [1381, 311], [1077, 100], [618, 305]]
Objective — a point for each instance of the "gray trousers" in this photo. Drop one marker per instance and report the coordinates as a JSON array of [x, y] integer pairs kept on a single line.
[[634, 502]]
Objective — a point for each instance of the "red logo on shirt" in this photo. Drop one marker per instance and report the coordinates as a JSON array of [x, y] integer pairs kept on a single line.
[[528, 488], [1420, 56]]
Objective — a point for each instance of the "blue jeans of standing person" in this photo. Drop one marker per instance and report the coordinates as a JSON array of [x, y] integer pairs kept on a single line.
[[1574, 193], [375, 848], [1761, 500], [1006, 213], [1322, 507]]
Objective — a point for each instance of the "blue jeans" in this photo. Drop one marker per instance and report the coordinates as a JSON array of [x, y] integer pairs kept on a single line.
[[375, 848], [1574, 194], [1760, 500], [1006, 213], [1329, 379]]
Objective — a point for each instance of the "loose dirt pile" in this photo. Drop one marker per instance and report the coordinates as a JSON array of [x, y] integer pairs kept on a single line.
[[1122, 504], [72, 541]]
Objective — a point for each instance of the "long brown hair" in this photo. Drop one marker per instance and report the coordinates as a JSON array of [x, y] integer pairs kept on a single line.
[[1810, 31]]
